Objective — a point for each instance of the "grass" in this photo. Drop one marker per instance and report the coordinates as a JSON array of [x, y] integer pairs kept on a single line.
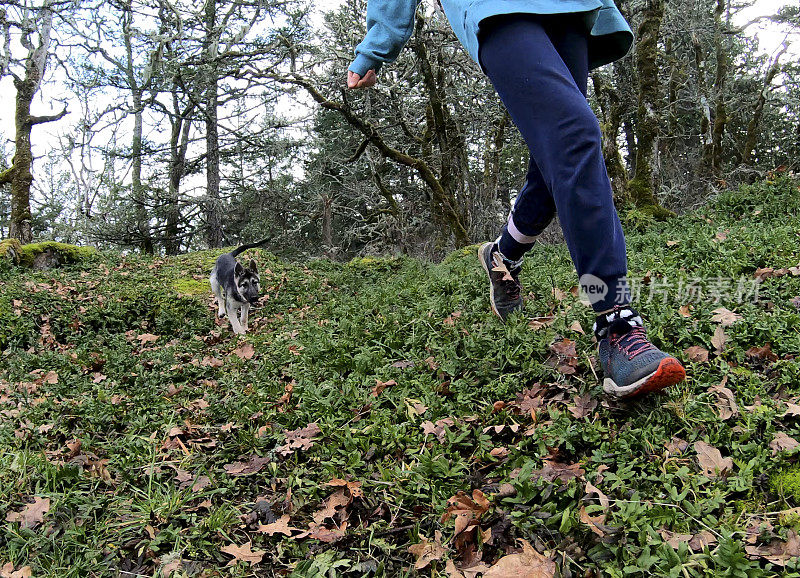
[[123, 355]]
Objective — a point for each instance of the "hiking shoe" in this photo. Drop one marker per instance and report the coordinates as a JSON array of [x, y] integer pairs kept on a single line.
[[631, 364], [504, 287]]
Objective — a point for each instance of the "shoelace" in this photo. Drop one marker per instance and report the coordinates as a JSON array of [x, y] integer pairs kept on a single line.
[[636, 342]]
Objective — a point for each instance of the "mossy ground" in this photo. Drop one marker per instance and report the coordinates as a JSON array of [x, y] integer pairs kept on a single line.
[[124, 355]]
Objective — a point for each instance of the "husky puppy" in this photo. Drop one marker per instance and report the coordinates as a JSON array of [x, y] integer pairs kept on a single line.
[[235, 287]]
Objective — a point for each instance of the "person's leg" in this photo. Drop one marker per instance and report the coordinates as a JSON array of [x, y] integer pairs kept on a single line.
[[526, 58], [532, 211], [534, 207], [563, 135]]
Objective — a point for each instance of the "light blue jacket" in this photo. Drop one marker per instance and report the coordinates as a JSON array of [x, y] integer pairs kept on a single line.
[[391, 22]]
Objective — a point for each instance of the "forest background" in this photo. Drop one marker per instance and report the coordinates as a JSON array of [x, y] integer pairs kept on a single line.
[[164, 126]]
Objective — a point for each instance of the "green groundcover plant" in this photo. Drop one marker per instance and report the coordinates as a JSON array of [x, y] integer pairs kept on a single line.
[[377, 420]]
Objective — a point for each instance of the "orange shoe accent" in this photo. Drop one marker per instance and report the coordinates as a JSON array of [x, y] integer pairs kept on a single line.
[[669, 372]]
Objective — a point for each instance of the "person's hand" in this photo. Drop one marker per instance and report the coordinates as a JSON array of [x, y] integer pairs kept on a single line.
[[355, 81]]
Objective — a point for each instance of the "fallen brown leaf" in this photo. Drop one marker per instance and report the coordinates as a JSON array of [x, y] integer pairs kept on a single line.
[[696, 354], [782, 443], [7, 571], [777, 552], [381, 385], [32, 514], [244, 553], [466, 511], [595, 523], [427, 551], [761, 353], [279, 526], [725, 316], [719, 340], [251, 466], [711, 460], [726, 401], [528, 564], [584, 406], [299, 439], [245, 351]]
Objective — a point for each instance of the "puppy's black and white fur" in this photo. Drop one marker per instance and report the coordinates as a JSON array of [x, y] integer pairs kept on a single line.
[[235, 287]]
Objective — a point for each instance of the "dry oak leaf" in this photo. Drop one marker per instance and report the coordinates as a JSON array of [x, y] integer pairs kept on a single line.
[[528, 564], [244, 553], [147, 338], [465, 510], [209, 361], [7, 571], [438, 428], [725, 316], [381, 385], [595, 523], [427, 551], [719, 340], [251, 466], [540, 322], [696, 354], [50, 377], [323, 534], [584, 406], [279, 526], [32, 514], [762, 353], [777, 551], [701, 540], [299, 439], [337, 501], [244, 351], [576, 326], [673, 538], [552, 471], [471, 571], [711, 460], [782, 443], [792, 409], [353, 487], [592, 489], [676, 446], [726, 401]]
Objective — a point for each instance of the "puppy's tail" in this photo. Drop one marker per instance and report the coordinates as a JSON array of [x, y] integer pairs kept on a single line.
[[244, 248]]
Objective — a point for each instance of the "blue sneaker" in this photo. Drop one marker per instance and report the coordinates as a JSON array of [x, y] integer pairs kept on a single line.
[[631, 364], [505, 291]]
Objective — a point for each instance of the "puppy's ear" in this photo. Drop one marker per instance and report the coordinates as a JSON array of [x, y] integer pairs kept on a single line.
[[238, 270], [253, 266]]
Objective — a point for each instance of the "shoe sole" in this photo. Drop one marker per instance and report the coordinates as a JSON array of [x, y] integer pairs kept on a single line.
[[489, 276], [669, 372]]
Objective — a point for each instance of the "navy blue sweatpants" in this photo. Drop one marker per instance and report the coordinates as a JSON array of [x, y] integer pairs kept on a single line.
[[539, 67]]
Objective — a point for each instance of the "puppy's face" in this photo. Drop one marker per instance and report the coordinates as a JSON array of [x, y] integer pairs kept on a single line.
[[247, 282]]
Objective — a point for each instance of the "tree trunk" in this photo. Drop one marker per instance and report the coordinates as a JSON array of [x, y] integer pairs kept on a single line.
[[641, 187], [751, 139], [137, 188], [713, 152], [213, 203], [178, 145], [445, 205], [19, 175], [611, 110]]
